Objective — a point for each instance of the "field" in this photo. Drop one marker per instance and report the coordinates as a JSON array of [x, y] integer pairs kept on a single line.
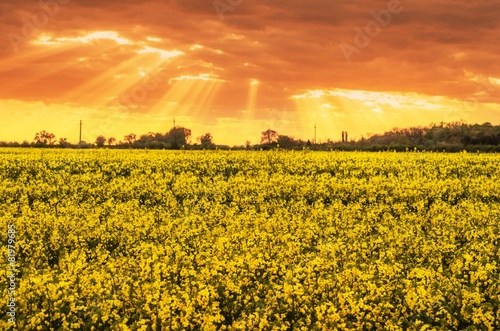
[[164, 240]]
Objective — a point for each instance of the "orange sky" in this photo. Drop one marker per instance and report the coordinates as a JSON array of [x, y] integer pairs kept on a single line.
[[245, 66]]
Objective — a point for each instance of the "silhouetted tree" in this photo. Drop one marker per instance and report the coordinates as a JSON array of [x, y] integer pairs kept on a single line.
[[111, 141], [100, 141], [206, 140], [130, 138], [44, 138], [159, 137], [63, 143], [269, 137], [178, 137], [147, 138], [286, 142]]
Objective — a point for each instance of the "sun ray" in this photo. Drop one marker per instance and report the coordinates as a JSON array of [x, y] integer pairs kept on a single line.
[[30, 53], [106, 81], [252, 97], [359, 111], [54, 68], [194, 93]]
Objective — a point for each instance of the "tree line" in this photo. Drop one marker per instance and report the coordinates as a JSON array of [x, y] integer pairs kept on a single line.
[[450, 137], [177, 138]]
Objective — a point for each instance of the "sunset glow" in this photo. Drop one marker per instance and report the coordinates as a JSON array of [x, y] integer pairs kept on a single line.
[[134, 66]]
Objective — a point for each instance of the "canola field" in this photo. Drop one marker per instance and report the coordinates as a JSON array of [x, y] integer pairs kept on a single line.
[[246, 240]]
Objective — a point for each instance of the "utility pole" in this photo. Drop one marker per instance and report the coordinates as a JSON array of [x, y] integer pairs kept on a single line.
[[80, 141], [314, 133], [174, 122]]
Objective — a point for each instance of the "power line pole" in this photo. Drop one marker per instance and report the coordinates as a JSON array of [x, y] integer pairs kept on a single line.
[[315, 134], [174, 122], [79, 141]]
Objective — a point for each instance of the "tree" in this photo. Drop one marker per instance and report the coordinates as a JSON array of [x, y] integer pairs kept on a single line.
[[43, 137], [178, 137], [206, 140], [160, 137], [111, 141], [130, 138], [248, 144], [286, 142], [63, 142], [269, 137], [100, 141]]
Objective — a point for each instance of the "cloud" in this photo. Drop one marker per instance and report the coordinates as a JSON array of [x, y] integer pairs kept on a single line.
[[164, 54]]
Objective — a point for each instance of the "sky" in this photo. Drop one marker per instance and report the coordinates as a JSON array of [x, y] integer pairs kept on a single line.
[[234, 68]]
